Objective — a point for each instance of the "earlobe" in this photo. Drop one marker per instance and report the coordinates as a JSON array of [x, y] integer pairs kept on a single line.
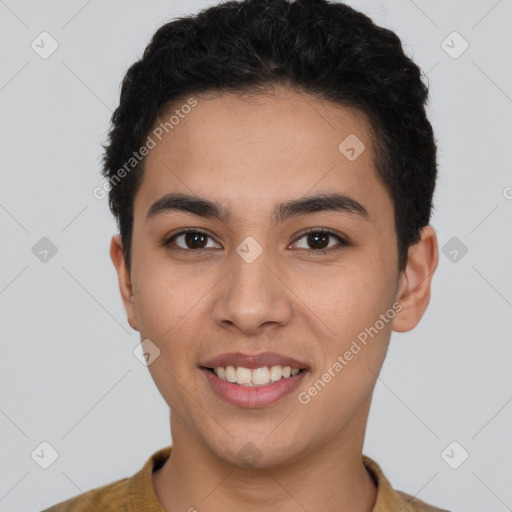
[[415, 281], [124, 279]]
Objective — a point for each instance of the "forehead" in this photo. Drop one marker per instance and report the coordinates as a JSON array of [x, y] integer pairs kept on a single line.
[[252, 151]]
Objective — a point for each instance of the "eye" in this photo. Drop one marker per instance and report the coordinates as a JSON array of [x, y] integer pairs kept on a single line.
[[193, 240], [319, 240], [196, 240]]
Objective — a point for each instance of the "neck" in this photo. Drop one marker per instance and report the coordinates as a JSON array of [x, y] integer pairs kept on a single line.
[[330, 477]]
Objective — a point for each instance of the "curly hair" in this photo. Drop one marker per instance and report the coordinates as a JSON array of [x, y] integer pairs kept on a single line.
[[326, 49]]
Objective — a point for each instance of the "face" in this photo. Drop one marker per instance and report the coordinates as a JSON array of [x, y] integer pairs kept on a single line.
[[260, 270]]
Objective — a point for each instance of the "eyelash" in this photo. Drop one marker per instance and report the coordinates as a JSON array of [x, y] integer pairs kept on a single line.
[[342, 241]]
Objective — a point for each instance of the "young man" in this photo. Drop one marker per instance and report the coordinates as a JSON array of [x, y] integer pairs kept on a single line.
[[271, 169]]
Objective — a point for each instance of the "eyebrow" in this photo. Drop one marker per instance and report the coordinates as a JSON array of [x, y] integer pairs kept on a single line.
[[212, 209]]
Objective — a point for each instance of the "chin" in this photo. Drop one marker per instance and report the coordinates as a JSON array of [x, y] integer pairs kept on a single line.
[[258, 454]]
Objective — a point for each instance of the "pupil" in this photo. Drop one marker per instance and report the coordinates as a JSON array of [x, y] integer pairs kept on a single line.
[[313, 239], [193, 237]]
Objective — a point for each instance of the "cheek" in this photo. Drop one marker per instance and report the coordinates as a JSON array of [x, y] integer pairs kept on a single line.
[[166, 294], [352, 358], [349, 299], [173, 310], [168, 308]]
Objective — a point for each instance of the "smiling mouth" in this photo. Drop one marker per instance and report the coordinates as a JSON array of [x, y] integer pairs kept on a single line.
[[248, 377]]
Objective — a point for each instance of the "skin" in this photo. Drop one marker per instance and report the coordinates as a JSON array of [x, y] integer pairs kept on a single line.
[[251, 153]]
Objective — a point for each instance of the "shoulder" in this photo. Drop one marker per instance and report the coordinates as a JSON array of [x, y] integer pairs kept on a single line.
[[110, 497], [389, 498]]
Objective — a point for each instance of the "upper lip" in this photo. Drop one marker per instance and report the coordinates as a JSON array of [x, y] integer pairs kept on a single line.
[[253, 361]]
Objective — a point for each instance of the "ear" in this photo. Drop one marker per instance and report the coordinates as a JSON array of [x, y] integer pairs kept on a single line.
[[415, 281], [123, 276]]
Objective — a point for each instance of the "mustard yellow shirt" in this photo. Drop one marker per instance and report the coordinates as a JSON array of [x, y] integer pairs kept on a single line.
[[136, 494]]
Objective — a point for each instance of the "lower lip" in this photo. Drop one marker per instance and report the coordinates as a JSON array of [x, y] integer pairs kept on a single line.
[[253, 396]]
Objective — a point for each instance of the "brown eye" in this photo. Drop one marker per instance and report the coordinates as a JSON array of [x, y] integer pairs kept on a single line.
[[189, 240], [317, 240]]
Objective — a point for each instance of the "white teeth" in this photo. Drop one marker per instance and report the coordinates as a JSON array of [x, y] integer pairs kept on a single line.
[[276, 372], [230, 374], [243, 375], [260, 376], [254, 378]]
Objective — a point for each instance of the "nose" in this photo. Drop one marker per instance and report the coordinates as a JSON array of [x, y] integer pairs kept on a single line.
[[253, 297]]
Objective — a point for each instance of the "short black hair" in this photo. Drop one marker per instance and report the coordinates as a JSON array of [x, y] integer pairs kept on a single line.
[[324, 48]]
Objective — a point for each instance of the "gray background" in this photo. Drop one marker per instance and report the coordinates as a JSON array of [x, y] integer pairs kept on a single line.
[[68, 375]]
